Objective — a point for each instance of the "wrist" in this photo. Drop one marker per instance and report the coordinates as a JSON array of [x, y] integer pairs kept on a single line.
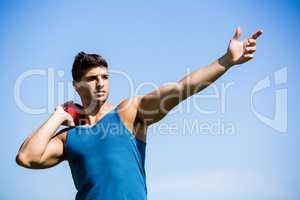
[[225, 62], [60, 116]]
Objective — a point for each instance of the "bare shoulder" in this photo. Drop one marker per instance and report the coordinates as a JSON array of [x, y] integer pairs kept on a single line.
[[127, 110], [129, 106]]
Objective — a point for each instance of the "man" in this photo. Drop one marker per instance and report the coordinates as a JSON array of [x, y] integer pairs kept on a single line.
[[108, 163]]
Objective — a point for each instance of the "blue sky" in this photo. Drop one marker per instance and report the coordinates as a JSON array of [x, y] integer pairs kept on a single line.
[[152, 43]]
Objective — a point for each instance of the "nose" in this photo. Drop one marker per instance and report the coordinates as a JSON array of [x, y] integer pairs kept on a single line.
[[100, 82]]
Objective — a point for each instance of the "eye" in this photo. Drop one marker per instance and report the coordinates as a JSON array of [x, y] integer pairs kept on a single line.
[[91, 78], [105, 76]]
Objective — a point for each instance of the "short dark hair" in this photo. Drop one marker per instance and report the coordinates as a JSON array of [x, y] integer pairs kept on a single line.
[[84, 61]]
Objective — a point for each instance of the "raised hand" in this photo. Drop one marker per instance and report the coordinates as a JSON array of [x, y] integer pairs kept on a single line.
[[68, 119], [239, 52]]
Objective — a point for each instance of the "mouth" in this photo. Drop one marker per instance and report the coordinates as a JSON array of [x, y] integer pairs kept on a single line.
[[100, 93]]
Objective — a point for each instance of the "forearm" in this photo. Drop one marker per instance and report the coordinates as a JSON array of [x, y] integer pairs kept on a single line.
[[203, 77], [35, 145]]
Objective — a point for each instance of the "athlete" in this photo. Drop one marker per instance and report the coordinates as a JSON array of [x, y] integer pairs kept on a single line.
[[106, 148]]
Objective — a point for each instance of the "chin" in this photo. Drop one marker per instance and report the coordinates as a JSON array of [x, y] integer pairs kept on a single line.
[[100, 99]]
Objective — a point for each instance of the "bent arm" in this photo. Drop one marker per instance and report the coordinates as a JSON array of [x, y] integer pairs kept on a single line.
[[42, 148]]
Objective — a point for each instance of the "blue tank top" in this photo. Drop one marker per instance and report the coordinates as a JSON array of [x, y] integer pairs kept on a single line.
[[107, 162]]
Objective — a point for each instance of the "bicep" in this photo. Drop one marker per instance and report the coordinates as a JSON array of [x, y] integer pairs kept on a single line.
[[155, 105], [53, 154]]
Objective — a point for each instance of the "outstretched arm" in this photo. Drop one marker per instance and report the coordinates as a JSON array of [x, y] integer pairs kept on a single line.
[[153, 106]]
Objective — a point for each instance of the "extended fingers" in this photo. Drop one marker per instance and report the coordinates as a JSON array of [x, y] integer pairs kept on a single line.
[[251, 42], [256, 34], [248, 56], [250, 46], [250, 49]]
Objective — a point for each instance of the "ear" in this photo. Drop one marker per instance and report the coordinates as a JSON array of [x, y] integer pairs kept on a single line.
[[75, 85]]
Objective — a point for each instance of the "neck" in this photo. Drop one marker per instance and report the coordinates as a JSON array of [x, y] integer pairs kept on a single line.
[[92, 107], [94, 110]]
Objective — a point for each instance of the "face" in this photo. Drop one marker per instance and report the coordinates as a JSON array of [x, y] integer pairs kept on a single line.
[[94, 84]]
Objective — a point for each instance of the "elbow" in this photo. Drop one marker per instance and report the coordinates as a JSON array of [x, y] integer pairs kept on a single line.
[[22, 160], [26, 161]]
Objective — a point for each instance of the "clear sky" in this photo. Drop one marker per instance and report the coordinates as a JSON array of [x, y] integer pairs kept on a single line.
[[237, 139]]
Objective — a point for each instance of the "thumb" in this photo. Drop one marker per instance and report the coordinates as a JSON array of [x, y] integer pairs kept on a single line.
[[72, 123], [237, 33]]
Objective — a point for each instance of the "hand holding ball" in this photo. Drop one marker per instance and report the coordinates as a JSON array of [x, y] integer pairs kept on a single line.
[[74, 110]]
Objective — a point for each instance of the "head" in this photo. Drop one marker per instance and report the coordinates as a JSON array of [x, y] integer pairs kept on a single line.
[[90, 77]]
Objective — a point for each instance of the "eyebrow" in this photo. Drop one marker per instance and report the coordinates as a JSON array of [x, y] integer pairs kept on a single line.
[[93, 76], [105, 74]]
